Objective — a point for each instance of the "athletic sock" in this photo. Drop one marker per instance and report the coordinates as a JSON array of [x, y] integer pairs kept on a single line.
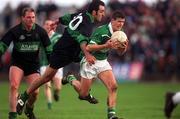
[[12, 115], [49, 104], [56, 91], [25, 96], [70, 78], [111, 111]]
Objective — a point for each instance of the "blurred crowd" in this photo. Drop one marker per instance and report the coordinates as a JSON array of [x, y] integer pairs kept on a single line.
[[153, 32]]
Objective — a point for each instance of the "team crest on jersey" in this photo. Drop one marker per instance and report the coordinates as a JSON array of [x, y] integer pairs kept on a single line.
[[22, 37]]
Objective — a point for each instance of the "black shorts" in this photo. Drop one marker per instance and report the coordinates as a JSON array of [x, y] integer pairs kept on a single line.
[[27, 68], [62, 57]]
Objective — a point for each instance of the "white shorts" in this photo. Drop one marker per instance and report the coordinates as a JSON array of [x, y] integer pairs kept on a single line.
[[59, 73], [90, 72]]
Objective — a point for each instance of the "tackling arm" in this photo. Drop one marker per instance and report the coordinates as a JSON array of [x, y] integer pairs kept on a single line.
[[90, 58]]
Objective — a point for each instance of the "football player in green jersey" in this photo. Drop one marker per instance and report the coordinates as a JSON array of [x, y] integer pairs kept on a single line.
[[54, 37], [99, 46], [67, 49]]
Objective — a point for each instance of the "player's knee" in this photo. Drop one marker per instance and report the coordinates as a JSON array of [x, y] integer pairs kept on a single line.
[[14, 87], [114, 88]]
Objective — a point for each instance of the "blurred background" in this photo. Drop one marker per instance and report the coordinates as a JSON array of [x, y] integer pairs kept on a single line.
[[152, 27]]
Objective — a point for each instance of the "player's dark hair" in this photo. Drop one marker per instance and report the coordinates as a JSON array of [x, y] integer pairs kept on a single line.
[[118, 14], [94, 5], [27, 9]]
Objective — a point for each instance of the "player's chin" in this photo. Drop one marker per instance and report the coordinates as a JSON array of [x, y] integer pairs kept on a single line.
[[118, 28], [99, 19]]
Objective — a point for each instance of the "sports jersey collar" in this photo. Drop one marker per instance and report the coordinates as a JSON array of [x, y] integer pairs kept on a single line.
[[91, 17], [52, 34], [23, 26], [110, 28]]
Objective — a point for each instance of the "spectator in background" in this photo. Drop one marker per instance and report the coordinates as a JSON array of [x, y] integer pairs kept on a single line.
[[8, 16]]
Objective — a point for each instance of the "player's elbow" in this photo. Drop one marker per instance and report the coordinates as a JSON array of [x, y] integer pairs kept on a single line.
[[88, 48]]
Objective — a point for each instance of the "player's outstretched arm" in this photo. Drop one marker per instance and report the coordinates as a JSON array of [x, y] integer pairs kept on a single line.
[[90, 58]]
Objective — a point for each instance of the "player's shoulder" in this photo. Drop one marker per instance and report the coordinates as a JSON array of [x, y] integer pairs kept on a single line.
[[39, 28], [84, 15], [102, 29], [87, 17], [16, 27]]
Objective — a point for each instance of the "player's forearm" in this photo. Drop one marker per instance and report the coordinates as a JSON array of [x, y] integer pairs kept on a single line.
[[89, 57], [95, 47], [83, 48]]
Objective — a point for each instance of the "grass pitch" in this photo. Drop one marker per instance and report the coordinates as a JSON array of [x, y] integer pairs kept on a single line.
[[135, 101]]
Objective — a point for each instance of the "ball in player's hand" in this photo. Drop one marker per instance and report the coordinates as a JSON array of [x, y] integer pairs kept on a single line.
[[120, 36]]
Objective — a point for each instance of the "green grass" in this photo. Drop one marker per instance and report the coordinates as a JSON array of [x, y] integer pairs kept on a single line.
[[135, 101]]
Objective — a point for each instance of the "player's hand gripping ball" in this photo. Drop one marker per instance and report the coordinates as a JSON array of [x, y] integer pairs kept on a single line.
[[120, 36]]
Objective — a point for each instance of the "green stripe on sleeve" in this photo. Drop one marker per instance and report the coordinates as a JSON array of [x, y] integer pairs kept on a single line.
[[3, 47], [48, 49], [81, 38]]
